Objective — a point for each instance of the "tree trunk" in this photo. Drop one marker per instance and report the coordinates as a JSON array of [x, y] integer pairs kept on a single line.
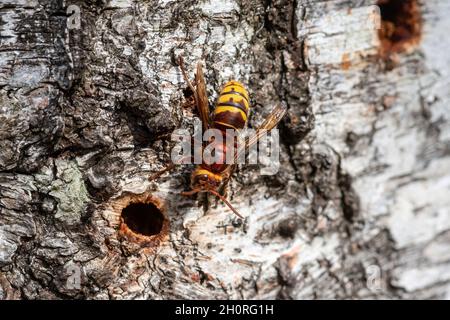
[[90, 93]]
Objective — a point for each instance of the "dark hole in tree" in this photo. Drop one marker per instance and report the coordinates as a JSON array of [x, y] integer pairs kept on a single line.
[[143, 218], [400, 24], [187, 92], [288, 227]]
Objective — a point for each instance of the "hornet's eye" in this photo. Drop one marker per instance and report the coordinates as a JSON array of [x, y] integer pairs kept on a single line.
[[202, 178]]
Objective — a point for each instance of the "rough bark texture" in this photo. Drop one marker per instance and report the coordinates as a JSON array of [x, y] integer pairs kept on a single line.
[[359, 209]]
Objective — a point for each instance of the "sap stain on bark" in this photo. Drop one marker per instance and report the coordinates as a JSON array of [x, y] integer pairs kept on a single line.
[[141, 221], [401, 26]]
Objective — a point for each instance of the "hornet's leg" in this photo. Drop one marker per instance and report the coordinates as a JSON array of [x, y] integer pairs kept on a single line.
[[223, 191], [161, 172], [168, 168]]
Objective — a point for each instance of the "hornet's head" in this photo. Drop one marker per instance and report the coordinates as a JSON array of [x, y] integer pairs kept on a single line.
[[206, 181], [203, 179]]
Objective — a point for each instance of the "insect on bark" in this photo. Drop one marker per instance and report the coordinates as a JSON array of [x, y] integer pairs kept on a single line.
[[231, 112]]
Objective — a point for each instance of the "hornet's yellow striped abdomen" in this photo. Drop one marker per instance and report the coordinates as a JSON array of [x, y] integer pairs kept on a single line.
[[232, 107]]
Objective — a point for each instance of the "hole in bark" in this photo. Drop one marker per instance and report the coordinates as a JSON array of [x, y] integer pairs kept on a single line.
[[143, 218], [400, 25], [187, 92], [287, 228]]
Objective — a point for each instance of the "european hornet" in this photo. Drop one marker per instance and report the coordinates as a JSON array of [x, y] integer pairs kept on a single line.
[[231, 112]]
